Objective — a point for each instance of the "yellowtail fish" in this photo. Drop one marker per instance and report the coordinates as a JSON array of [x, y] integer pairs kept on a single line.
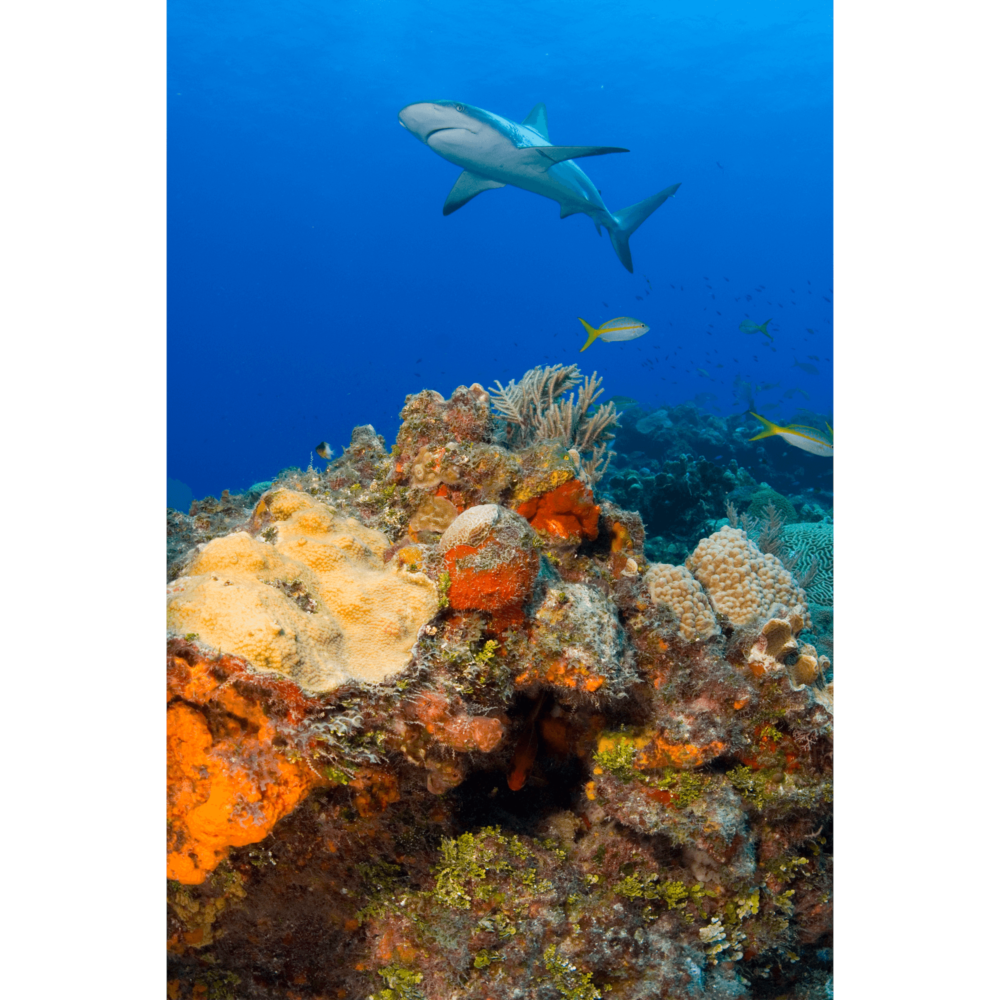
[[324, 450], [748, 326], [807, 438], [619, 328]]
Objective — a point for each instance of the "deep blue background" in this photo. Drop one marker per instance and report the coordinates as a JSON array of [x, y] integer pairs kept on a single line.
[[313, 281]]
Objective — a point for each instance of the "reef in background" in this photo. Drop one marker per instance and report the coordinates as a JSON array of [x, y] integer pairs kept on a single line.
[[679, 466], [438, 726]]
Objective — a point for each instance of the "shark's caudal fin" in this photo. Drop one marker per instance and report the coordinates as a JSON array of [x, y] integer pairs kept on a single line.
[[592, 334], [631, 218], [769, 429]]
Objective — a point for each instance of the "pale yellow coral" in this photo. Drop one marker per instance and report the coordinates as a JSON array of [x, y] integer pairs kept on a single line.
[[681, 592], [742, 582], [318, 605]]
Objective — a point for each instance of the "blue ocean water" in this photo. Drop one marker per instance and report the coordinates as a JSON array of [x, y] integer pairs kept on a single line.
[[314, 282]]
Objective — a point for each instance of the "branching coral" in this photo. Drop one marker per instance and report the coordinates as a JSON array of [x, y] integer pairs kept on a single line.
[[535, 409]]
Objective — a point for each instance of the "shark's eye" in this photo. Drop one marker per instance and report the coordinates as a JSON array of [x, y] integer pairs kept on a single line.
[[459, 107]]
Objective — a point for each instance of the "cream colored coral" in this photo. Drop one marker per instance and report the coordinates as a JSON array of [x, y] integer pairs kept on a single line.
[[681, 592], [471, 526], [742, 582], [318, 604]]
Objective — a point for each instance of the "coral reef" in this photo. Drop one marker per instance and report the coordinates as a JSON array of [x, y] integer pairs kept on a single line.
[[438, 728], [681, 502], [679, 466]]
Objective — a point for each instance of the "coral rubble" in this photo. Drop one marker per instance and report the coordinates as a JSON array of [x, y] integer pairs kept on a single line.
[[438, 727]]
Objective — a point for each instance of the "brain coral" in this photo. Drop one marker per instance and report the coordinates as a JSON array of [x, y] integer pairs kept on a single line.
[[813, 541], [683, 594], [741, 581], [317, 604]]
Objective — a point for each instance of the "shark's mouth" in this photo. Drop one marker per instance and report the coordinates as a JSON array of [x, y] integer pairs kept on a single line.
[[447, 128]]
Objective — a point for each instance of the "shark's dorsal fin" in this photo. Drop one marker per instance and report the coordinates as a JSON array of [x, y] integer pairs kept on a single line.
[[538, 119], [556, 154], [466, 188]]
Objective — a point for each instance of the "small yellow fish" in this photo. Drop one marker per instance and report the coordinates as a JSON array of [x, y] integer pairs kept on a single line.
[[807, 438], [619, 328], [324, 450]]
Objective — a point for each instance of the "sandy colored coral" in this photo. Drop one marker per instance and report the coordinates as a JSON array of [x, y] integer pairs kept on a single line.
[[741, 581], [680, 591], [316, 603], [227, 785], [567, 512], [490, 559]]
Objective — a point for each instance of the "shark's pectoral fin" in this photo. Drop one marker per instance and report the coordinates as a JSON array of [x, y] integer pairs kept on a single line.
[[547, 155], [466, 188], [538, 119], [567, 210]]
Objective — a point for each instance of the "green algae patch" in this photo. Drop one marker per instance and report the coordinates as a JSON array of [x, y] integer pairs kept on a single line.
[[400, 984], [567, 979]]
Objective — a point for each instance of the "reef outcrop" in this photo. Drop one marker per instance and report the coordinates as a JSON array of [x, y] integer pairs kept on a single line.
[[437, 726], [309, 597]]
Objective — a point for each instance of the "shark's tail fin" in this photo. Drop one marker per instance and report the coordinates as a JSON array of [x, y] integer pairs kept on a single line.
[[631, 218]]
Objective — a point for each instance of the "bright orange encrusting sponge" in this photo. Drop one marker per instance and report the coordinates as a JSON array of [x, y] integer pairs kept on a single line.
[[490, 558], [227, 785], [568, 511]]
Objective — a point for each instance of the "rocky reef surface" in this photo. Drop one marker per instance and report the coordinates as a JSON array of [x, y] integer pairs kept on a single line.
[[441, 725]]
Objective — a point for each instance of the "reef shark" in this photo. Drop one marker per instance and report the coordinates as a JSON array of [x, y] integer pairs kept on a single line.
[[494, 152]]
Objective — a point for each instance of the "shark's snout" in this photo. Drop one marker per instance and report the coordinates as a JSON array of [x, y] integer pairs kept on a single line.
[[427, 117]]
